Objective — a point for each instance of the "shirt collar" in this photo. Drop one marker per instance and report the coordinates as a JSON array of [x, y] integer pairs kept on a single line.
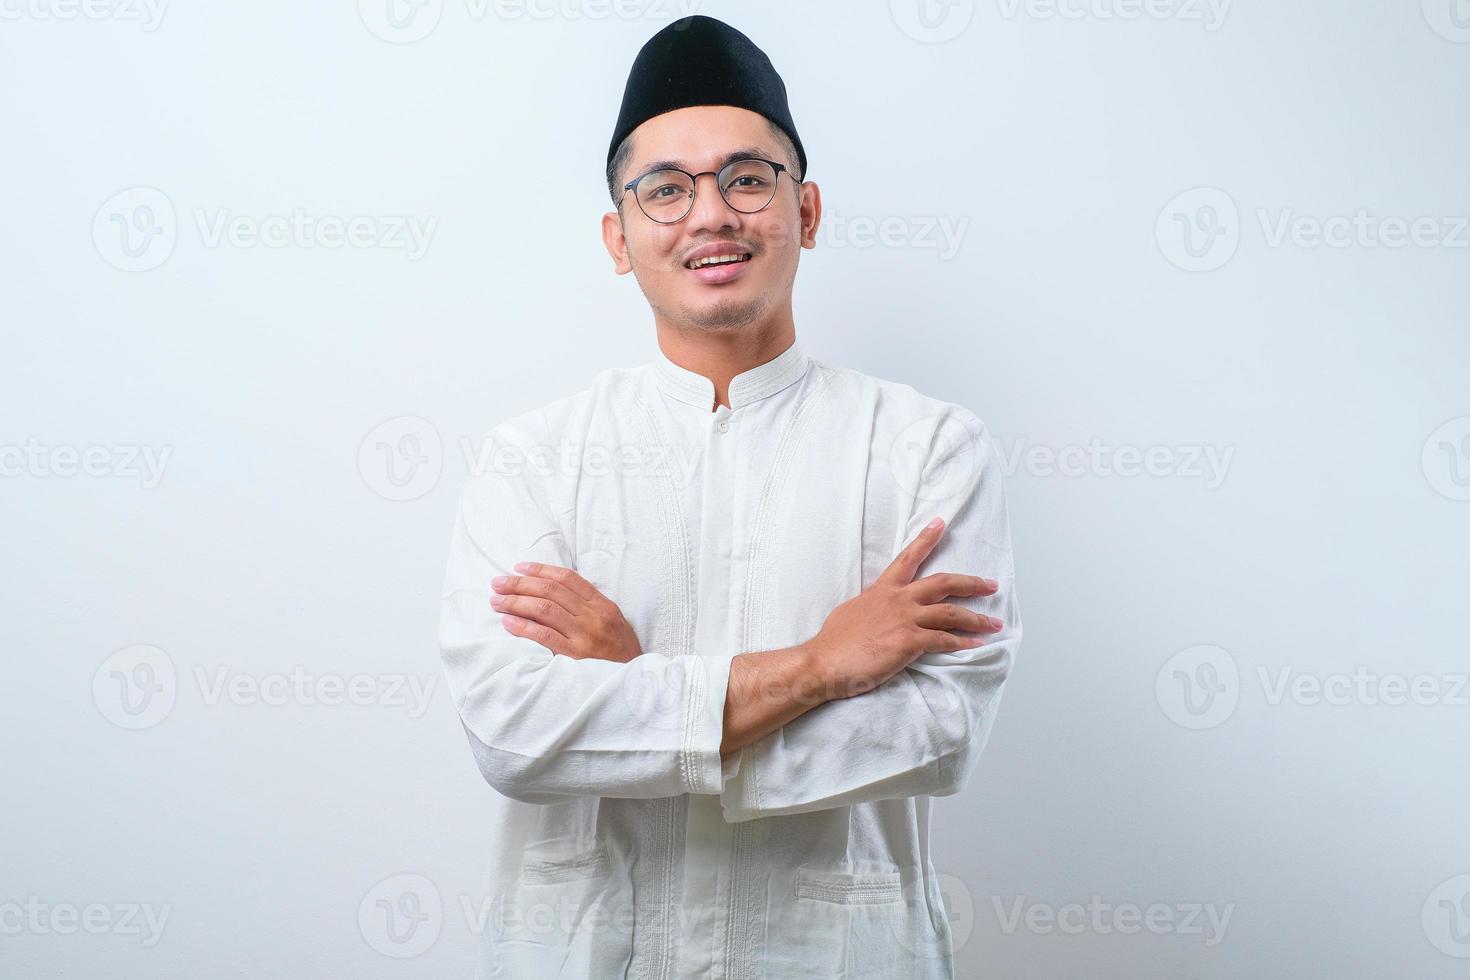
[[746, 387]]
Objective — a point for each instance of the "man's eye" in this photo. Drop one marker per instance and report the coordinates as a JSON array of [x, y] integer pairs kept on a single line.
[[659, 191]]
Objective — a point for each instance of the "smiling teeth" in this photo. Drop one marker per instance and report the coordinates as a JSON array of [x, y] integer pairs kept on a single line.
[[716, 260]]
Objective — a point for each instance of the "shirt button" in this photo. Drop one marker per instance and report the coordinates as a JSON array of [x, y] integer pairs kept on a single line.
[[723, 426]]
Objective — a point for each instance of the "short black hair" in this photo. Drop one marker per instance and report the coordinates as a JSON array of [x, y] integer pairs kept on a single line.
[[625, 150]]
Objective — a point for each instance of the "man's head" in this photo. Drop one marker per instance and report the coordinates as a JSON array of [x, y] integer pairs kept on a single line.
[[702, 140], [700, 96]]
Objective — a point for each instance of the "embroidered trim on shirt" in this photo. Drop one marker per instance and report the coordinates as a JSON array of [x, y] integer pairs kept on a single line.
[[742, 940], [756, 606], [593, 864], [654, 950], [675, 531], [849, 889]]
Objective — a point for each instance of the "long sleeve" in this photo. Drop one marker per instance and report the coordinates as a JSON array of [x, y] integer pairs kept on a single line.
[[923, 730], [544, 728]]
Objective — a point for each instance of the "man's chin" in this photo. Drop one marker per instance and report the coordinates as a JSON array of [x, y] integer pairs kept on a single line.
[[723, 313]]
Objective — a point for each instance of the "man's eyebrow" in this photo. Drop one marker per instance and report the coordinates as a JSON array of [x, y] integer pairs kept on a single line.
[[745, 153]]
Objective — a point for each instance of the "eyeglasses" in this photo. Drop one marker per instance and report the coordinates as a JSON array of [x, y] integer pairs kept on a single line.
[[666, 196]]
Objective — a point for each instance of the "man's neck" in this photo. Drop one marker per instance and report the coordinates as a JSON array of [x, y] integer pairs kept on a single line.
[[721, 355]]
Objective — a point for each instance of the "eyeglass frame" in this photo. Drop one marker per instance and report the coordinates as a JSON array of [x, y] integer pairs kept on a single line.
[[780, 168]]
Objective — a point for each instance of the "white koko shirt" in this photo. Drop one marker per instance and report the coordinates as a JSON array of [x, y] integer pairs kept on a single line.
[[622, 845]]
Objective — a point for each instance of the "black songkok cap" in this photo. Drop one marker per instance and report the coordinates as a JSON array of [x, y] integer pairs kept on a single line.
[[702, 61]]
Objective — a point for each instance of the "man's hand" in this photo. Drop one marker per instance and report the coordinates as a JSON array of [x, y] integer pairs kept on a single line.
[[563, 612], [874, 635]]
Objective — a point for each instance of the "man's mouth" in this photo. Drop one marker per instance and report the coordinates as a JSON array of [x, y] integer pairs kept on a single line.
[[717, 260], [719, 267]]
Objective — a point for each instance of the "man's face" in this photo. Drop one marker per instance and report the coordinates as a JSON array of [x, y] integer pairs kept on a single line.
[[699, 139]]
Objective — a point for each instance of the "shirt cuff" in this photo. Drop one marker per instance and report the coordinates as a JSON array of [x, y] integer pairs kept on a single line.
[[706, 681], [732, 765], [739, 800]]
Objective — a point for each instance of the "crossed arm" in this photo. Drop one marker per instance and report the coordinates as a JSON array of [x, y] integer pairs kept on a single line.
[[863, 643], [893, 697]]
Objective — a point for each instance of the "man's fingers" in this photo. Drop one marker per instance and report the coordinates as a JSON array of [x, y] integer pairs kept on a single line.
[[948, 616], [547, 637], [932, 588], [566, 577], [901, 570], [940, 641], [535, 609], [535, 585]]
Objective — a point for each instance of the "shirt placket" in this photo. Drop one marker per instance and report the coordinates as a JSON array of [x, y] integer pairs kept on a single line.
[[721, 573]]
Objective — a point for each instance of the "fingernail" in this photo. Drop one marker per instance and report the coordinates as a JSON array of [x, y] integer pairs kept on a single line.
[[509, 620], [996, 623], [991, 583], [523, 566], [934, 523], [499, 581], [497, 601]]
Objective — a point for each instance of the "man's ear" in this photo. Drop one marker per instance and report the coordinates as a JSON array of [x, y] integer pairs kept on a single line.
[[811, 213], [617, 244]]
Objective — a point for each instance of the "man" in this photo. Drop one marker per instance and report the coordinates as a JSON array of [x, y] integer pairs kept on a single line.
[[718, 626]]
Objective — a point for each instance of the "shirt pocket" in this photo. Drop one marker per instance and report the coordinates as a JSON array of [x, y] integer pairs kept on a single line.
[[586, 865], [828, 922], [569, 913]]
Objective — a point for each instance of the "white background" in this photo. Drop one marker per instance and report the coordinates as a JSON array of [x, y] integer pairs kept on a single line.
[[1070, 310]]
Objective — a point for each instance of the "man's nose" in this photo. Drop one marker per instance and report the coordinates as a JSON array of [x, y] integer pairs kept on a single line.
[[710, 210]]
